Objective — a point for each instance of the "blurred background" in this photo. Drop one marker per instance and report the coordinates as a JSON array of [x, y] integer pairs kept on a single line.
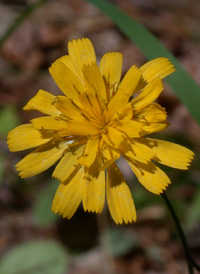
[[32, 239]]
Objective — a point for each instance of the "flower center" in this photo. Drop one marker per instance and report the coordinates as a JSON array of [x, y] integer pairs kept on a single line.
[[104, 129]]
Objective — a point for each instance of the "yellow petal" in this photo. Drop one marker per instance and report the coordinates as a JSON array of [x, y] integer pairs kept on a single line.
[[131, 128], [67, 60], [113, 137], [171, 154], [94, 82], [150, 176], [89, 106], [137, 151], [49, 122], [66, 106], [25, 137], [68, 197], [94, 189], [68, 164], [130, 80], [82, 53], [90, 152], [127, 113], [43, 102], [40, 159], [153, 113], [111, 69], [110, 155], [120, 202], [148, 95], [81, 128], [155, 127], [66, 80], [121, 98], [159, 67]]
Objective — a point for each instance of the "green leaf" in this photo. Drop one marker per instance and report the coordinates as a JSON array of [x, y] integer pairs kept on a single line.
[[8, 120], [193, 216], [180, 81], [38, 257], [121, 242], [42, 208]]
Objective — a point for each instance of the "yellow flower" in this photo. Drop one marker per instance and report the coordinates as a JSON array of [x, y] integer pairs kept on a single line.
[[99, 118]]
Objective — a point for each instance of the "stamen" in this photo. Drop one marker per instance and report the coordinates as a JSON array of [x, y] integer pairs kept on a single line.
[[57, 118], [108, 89], [76, 89], [78, 142], [73, 103], [88, 98], [114, 87]]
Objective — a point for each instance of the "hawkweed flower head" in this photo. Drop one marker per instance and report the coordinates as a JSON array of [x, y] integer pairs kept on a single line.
[[99, 119]]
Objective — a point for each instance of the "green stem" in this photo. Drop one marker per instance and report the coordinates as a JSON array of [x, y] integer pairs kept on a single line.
[[190, 261], [19, 20]]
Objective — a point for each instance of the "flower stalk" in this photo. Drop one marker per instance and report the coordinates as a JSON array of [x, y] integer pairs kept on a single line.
[[190, 261]]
